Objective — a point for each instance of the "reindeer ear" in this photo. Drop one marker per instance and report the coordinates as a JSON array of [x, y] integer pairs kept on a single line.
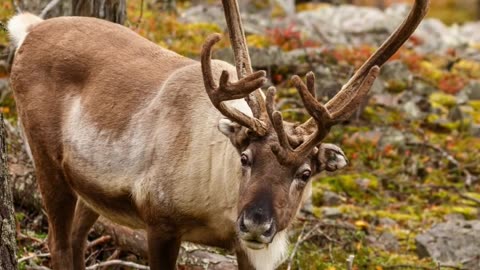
[[238, 135], [331, 157], [228, 127]]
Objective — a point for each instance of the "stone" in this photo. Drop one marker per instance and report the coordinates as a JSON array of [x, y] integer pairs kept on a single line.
[[387, 222], [423, 88], [331, 212], [396, 70], [454, 242], [385, 241], [470, 92], [475, 130], [392, 136], [332, 199]]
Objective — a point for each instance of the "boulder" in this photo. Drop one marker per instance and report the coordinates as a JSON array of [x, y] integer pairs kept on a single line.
[[455, 242]]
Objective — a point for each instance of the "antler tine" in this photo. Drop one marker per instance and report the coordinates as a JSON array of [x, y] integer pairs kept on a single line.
[[323, 118], [276, 119], [352, 105], [386, 50], [284, 151], [230, 91], [243, 64]]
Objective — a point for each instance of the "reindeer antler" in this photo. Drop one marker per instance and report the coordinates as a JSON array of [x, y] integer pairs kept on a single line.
[[345, 102], [292, 148], [348, 98], [230, 91]]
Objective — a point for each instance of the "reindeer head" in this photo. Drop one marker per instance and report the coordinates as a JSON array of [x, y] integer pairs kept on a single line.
[[279, 158]]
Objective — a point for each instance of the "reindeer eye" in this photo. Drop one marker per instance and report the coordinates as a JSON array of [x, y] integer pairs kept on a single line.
[[244, 160], [305, 175]]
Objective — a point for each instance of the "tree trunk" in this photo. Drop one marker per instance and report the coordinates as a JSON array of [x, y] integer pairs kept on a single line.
[[110, 10], [37, 7], [478, 9], [8, 259]]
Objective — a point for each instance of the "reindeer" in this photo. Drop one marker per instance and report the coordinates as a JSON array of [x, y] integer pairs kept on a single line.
[[187, 151]]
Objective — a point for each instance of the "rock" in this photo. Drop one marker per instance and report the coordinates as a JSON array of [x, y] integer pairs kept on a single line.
[[386, 241], [470, 92], [437, 37], [331, 212], [454, 217], [347, 24], [332, 199], [388, 100], [423, 88], [392, 136], [470, 31], [387, 222], [396, 70], [475, 130], [363, 183], [327, 83], [452, 243], [412, 111], [253, 23]]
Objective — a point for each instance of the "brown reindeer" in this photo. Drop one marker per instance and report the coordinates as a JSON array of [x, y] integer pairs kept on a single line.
[[122, 128]]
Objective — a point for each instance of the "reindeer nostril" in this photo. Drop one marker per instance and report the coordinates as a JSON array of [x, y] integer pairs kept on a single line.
[[270, 231]]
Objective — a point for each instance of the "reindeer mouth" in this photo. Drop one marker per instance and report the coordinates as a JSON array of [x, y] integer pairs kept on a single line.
[[253, 244]]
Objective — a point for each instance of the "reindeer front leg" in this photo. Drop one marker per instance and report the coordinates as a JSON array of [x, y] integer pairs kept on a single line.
[[163, 248]]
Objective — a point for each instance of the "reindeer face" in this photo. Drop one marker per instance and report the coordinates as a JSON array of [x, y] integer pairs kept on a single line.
[[277, 158], [271, 191]]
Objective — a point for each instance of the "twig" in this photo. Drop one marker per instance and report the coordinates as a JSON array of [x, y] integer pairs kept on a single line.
[[140, 18], [301, 238], [297, 244], [99, 241], [350, 259], [466, 197], [41, 255], [17, 7], [454, 189], [469, 178], [115, 255], [22, 236], [118, 263], [48, 7]]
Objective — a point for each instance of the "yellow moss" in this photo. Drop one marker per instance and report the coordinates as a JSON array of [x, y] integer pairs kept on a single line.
[[468, 68], [466, 211], [258, 41], [400, 217], [439, 99], [430, 71], [311, 6], [6, 11]]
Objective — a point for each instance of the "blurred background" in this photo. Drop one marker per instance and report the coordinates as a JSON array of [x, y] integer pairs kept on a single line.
[[410, 198]]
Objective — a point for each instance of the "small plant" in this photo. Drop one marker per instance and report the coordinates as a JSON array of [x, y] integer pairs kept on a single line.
[[451, 83], [289, 38]]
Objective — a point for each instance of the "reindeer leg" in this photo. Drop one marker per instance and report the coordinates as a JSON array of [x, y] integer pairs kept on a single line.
[[82, 223], [163, 248], [59, 200]]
